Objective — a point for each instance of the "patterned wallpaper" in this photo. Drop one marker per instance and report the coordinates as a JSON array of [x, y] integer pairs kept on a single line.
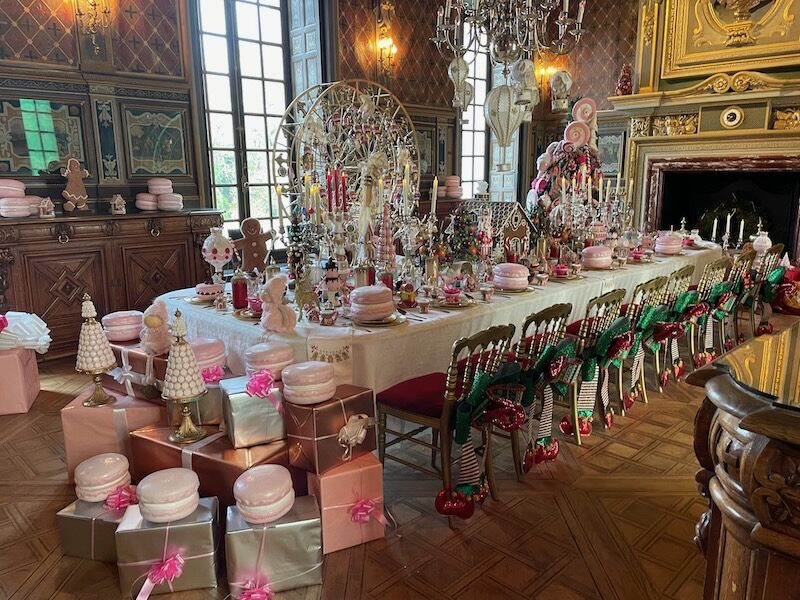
[[147, 38], [421, 73], [32, 30]]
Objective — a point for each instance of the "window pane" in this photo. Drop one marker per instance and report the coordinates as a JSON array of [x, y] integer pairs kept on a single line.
[[466, 169], [273, 123], [276, 97], [224, 165], [271, 26], [250, 59], [220, 128], [259, 201], [467, 139], [227, 200], [273, 62], [479, 169], [254, 133], [480, 142], [215, 53], [218, 92], [257, 167], [212, 16], [252, 96], [247, 20]]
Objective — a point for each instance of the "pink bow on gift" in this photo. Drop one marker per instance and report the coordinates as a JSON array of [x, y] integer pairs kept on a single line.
[[169, 570], [3, 323], [212, 374], [361, 511], [260, 384], [253, 592], [122, 497]]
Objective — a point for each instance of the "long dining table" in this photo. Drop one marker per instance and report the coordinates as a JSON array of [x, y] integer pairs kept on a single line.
[[380, 357]]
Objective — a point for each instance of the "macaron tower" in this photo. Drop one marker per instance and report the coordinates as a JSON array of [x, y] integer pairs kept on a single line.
[[452, 186], [13, 201], [159, 196]]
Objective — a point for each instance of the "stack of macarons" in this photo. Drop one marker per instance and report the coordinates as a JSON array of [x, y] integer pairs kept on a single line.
[[159, 196], [13, 201], [452, 186]]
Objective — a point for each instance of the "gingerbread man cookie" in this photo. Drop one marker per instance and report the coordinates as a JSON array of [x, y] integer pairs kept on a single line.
[[75, 192], [253, 246]]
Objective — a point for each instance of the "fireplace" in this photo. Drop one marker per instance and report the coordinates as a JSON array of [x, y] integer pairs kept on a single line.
[[699, 189]]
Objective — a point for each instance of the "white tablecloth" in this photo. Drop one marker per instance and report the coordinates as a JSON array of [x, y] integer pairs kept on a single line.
[[383, 357]]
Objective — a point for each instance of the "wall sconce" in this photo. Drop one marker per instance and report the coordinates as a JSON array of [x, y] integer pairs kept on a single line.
[[385, 47], [94, 17]]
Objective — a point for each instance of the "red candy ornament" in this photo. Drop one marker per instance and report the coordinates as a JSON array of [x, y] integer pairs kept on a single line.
[[454, 504]]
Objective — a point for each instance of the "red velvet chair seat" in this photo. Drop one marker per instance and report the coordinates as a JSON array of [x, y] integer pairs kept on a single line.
[[421, 395], [574, 329]]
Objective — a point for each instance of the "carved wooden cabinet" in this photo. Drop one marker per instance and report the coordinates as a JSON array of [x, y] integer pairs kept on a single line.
[[122, 261], [748, 445]]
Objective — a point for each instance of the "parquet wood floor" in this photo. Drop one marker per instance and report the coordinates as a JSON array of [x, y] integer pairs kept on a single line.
[[613, 519]]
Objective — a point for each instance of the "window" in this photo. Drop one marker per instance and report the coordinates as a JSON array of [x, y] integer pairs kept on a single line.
[[246, 85], [40, 136], [473, 129]]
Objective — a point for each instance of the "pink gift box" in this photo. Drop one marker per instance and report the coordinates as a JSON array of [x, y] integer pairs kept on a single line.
[[20, 380], [92, 431], [351, 497]]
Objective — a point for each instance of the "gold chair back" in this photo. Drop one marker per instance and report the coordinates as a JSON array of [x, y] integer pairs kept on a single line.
[[600, 313], [541, 329], [742, 265], [713, 274], [678, 283], [649, 293], [485, 351], [769, 261]]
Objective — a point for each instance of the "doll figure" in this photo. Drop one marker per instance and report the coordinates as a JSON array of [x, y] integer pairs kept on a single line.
[[155, 336], [75, 193], [277, 316]]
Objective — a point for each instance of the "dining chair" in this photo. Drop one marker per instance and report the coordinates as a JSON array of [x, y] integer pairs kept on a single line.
[[601, 312], [646, 295], [541, 331], [765, 266], [703, 327], [741, 281], [430, 402], [678, 284]]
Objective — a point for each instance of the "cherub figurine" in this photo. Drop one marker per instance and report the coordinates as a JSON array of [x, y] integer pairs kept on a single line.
[[47, 210], [117, 203], [75, 192], [155, 336], [277, 316]]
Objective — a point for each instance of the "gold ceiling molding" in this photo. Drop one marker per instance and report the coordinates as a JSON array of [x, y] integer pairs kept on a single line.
[[706, 36], [738, 83], [671, 125], [787, 118], [648, 24]]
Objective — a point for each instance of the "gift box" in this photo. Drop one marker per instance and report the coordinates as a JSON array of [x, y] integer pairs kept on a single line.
[[285, 554], [142, 546], [138, 373], [251, 420], [216, 462], [92, 431], [87, 530], [351, 497], [206, 410], [322, 436], [20, 380]]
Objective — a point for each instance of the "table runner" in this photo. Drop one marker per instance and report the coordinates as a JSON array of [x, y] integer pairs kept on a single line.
[[383, 357]]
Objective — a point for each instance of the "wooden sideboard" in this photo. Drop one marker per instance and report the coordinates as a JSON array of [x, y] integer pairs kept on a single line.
[[122, 261], [748, 445]]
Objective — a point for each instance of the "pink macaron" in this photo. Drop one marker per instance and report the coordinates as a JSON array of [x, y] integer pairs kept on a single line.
[[33, 205], [208, 290], [309, 382], [270, 356], [168, 495], [209, 352], [123, 325], [14, 207], [11, 188], [97, 477], [597, 257], [371, 303], [511, 276], [170, 202], [159, 185], [264, 493], [145, 201]]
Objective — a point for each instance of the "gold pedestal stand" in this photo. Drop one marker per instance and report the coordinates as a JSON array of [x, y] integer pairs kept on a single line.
[[187, 432], [99, 397]]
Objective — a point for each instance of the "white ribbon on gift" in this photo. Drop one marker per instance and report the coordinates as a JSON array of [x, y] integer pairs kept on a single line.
[[354, 433], [127, 376], [188, 451], [26, 331]]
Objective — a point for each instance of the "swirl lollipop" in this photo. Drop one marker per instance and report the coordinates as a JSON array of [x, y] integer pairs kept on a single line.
[[585, 110], [577, 133]]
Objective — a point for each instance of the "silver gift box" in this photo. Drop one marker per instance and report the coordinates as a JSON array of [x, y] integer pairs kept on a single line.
[[87, 530], [249, 420], [286, 554]]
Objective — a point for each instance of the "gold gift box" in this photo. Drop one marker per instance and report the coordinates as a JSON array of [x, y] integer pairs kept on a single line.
[[141, 545], [249, 420], [87, 530], [286, 554], [313, 431]]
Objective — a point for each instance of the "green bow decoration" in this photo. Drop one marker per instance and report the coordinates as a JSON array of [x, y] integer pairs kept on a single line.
[[469, 410], [684, 301], [610, 348], [770, 289], [645, 325], [541, 373]]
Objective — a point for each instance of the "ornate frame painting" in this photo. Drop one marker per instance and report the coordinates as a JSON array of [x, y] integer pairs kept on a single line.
[[611, 148], [156, 142], [37, 136], [705, 37]]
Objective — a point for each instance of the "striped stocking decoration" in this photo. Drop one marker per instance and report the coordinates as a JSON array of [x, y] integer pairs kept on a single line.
[[533, 426], [545, 429], [708, 340], [636, 367], [674, 351], [604, 397], [588, 393], [469, 472]]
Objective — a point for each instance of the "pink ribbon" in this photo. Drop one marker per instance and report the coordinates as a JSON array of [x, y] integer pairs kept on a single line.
[[253, 592], [164, 572], [3, 322], [361, 511], [260, 385], [122, 497], [212, 374]]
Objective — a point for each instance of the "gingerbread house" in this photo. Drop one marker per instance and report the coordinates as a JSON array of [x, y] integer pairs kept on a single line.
[[511, 226]]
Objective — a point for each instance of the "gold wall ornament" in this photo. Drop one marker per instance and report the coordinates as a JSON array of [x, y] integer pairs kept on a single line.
[[640, 127], [787, 118], [670, 125], [707, 36], [648, 25]]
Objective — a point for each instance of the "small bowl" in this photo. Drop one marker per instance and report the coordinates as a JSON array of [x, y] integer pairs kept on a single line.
[[487, 292], [255, 304], [424, 305]]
